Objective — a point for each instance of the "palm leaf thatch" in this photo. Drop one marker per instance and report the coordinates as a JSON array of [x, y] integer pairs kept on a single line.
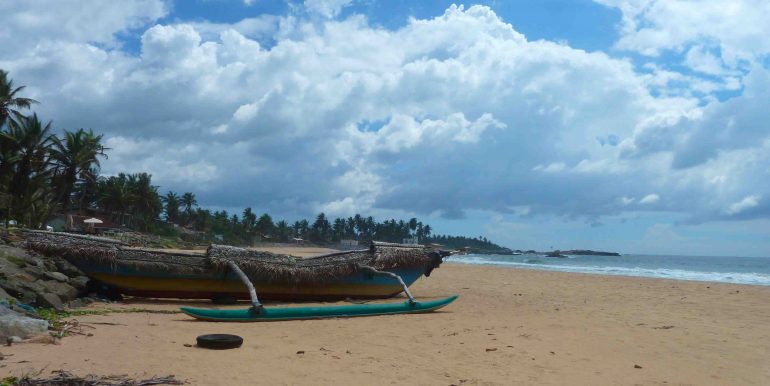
[[258, 265]]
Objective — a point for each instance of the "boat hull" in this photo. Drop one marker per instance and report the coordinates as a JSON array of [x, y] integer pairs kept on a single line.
[[358, 285], [319, 312]]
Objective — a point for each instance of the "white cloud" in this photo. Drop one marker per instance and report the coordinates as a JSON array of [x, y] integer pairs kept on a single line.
[[327, 8], [649, 199], [551, 168], [742, 205], [739, 27], [23, 24], [444, 115]]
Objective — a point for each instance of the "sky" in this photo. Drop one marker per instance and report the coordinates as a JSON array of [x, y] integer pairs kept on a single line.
[[633, 126]]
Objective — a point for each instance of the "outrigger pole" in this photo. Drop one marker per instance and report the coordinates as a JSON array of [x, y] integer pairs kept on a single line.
[[258, 313], [391, 274], [255, 303]]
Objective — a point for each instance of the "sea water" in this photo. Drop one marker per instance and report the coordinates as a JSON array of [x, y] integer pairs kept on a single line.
[[739, 270]]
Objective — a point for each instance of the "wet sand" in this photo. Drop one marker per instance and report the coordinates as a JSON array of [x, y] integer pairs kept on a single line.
[[510, 326]]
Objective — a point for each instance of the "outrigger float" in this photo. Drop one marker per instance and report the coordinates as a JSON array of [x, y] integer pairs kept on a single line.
[[259, 313], [224, 272]]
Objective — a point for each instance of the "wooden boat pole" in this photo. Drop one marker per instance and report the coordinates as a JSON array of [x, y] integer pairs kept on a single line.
[[252, 292], [391, 274]]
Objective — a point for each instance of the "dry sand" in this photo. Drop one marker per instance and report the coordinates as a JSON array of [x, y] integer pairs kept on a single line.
[[508, 327]]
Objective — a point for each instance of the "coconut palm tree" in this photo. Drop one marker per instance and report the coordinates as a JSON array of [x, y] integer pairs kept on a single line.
[[147, 202], [283, 231], [188, 201], [76, 157], [10, 103], [171, 200], [116, 194], [28, 142]]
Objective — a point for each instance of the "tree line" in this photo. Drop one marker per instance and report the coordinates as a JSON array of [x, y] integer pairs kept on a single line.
[[42, 173]]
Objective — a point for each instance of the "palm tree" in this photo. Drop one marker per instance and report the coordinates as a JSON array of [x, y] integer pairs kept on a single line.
[[9, 102], [264, 226], [188, 201], [29, 143], [116, 194], [248, 219], [171, 200], [76, 158], [147, 202], [283, 231]]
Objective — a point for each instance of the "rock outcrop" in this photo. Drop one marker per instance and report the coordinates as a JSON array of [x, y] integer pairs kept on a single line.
[[14, 324], [37, 280]]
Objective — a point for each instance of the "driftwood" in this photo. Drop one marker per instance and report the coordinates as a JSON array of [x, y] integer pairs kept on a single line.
[[257, 265], [64, 378]]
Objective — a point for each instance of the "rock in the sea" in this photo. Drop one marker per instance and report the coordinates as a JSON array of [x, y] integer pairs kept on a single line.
[[14, 324], [49, 300], [57, 276]]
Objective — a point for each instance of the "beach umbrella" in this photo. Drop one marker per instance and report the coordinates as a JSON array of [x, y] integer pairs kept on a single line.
[[91, 221]]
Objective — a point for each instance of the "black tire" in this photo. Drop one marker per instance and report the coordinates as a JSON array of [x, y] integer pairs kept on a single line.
[[219, 341]]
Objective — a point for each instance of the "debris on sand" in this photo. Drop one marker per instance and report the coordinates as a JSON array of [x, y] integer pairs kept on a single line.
[[64, 378]]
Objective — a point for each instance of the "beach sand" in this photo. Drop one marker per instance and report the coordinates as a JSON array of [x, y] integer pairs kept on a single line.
[[510, 326]]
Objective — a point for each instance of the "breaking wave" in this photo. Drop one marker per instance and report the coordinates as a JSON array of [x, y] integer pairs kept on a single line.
[[754, 278]]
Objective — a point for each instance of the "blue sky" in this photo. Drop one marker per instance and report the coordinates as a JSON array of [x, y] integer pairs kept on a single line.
[[635, 126]]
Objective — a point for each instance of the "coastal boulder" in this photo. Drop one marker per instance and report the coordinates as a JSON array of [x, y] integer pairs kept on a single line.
[[4, 295], [80, 283], [13, 323], [67, 268], [64, 291], [49, 300], [57, 276], [35, 271], [19, 256], [21, 286]]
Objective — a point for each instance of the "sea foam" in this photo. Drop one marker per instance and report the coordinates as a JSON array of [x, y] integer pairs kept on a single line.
[[754, 278]]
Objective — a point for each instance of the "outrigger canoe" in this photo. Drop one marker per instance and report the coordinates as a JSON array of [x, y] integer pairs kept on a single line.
[[184, 275], [266, 314]]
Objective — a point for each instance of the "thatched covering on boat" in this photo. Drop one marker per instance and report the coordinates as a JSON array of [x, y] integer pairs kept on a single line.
[[98, 250], [266, 265], [258, 265]]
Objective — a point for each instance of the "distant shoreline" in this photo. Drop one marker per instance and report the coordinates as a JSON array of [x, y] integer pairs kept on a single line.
[[556, 253]]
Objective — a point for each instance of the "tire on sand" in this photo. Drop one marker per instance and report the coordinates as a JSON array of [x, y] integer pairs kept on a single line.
[[219, 341]]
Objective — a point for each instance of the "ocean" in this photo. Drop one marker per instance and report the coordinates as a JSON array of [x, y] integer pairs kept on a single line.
[[739, 270]]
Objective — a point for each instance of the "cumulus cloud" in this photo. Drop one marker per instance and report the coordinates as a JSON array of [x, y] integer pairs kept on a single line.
[[24, 24], [444, 115], [742, 205], [649, 199], [738, 27], [326, 8]]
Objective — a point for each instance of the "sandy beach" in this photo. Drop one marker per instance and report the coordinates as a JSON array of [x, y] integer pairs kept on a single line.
[[510, 326]]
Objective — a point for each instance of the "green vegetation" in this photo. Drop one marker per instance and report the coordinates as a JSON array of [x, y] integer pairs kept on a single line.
[[9, 381], [477, 245], [56, 319], [18, 261], [42, 174]]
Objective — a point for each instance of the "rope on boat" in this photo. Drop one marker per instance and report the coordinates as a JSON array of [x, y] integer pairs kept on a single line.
[[391, 274], [252, 292]]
